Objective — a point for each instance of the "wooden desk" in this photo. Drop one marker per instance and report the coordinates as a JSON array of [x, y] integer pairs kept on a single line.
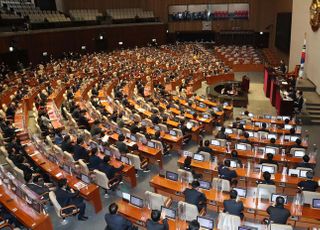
[[90, 193], [175, 142], [128, 172], [54, 115], [139, 216], [271, 130], [23, 212]]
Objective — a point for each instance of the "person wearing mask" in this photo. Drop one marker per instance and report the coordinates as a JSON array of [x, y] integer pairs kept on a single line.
[[226, 173], [232, 206], [194, 196], [234, 157], [309, 184], [193, 225], [95, 129], [66, 144], [116, 221], [94, 160], [154, 222], [36, 186], [278, 214], [221, 134], [206, 147], [80, 152], [123, 148], [66, 196], [267, 179], [246, 138], [305, 163]]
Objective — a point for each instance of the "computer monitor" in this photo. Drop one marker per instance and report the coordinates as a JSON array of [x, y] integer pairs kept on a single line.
[[267, 116], [294, 172], [107, 152], [257, 124], [172, 176], [316, 203], [251, 134], [287, 137], [157, 128], [168, 212], [294, 138], [125, 160], [118, 131], [285, 118], [274, 197], [189, 125], [205, 222], [247, 228], [260, 150], [241, 192], [299, 153], [271, 150], [187, 153], [126, 196], [198, 157], [215, 142], [303, 173], [270, 136], [202, 105], [136, 201], [233, 164], [143, 123], [173, 133], [85, 178], [241, 146], [66, 168], [150, 144], [287, 127], [206, 116], [205, 184], [128, 135], [228, 131], [267, 168]]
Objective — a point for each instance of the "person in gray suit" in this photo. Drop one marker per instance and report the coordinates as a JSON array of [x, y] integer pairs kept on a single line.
[[233, 206], [115, 221], [154, 224]]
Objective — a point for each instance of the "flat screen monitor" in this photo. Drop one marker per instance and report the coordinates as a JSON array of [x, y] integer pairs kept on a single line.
[[287, 137], [251, 134], [285, 118], [267, 168], [157, 128], [205, 222], [172, 176], [143, 123], [271, 150], [241, 146], [233, 164], [136, 201], [150, 144], [294, 138], [316, 203], [303, 173], [287, 127], [247, 228], [133, 138], [228, 131], [215, 142], [267, 116], [125, 160], [274, 197], [198, 157], [118, 131], [126, 196], [241, 192], [168, 212], [66, 168], [187, 153], [206, 116], [205, 184], [270, 136], [257, 124], [173, 133], [85, 178], [189, 125], [294, 172], [299, 153], [201, 105]]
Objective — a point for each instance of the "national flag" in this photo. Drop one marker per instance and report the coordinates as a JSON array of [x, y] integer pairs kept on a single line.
[[303, 58]]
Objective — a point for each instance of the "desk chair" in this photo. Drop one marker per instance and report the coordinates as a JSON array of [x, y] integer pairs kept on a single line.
[[83, 167], [148, 122], [102, 180], [62, 212], [68, 157], [279, 227], [39, 131], [159, 145], [309, 196], [137, 117], [188, 211], [156, 200], [141, 138], [49, 141], [115, 151], [222, 185], [185, 175], [2, 114], [58, 151], [163, 127], [228, 221], [264, 191], [306, 169], [137, 163], [272, 165], [87, 135], [206, 155], [3, 151]]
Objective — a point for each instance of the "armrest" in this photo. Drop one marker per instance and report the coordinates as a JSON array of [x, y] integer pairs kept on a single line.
[[168, 202], [68, 211], [202, 212]]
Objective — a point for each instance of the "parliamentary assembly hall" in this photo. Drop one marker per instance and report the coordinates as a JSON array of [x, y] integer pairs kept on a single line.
[[159, 114]]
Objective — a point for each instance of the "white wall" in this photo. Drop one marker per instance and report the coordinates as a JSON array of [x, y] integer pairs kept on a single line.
[[300, 25]]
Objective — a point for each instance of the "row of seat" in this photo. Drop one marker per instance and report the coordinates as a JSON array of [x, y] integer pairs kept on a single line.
[[130, 13]]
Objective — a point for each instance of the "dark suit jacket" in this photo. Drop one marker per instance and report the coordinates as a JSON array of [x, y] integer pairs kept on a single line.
[[67, 147], [80, 153], [117, 222], [193, 196], [279, 215], [123, 148], [233, 207], [64, 198], [151, 225], [95, 162], [205, 149], [226, 173], [305, 165], [308, 185]]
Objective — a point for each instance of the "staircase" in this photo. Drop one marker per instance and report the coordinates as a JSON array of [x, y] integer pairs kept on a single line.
[[311, 111]]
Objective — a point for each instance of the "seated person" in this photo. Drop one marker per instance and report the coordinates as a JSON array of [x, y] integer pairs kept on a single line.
[[66, 196], [83, 121], [233, 206], [221, 134], [305, 163], [263, 127], [66, 144], [234, 157], [95, 129], [278, 213], [193, 225], [206, 147], [37, 187], [110, 170], [154, 224], [187, 166], [194, 196], [123, 148], [267, 179], [226, 173], [58, 139], [116, 221], [309, 184], [246, 138], [157, 137], [94, 160], [298, 103], [134, 128], [297, 143], [80, 151], [269, 160]]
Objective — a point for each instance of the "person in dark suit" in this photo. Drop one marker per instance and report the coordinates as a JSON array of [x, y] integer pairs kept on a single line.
[[309, 184], [269, 160], [263, 127], [234, 157], [79, 151], [267, 179], [194, 196], [246, 138], [305, 163], [232, 206], [66, 144], [66, 196], [278, 213], [115, 221], [221, 134], [153, 223], [298, 103], [123, 148], [35, 186], [109, 170], [94, 161], [95, 129], [134, 128], [155, 118], [83, 121], [206, 147], [194, 225], [226, 173]]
